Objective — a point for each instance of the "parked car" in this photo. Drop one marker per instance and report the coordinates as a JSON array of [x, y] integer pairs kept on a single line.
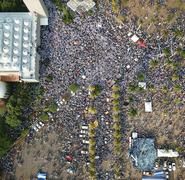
[[38, 126], [165, 165], [85, 141], [83, 131], [41, 123], [156, 165], [35, 128], [85, 127], [167, 174], [82, 135], [173, 167], [169, 166], [84, 152]]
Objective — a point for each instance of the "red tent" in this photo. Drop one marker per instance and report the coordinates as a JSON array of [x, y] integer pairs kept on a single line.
[[141, 43]]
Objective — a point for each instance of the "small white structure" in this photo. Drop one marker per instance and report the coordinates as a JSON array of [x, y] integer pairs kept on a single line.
[[134, 135], [3, 90], [134, 38], [148, 106], [81, 5], [142, 85], [167, 153]]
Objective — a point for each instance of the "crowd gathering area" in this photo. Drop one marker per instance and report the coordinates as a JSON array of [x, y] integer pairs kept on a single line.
[[105, 73]]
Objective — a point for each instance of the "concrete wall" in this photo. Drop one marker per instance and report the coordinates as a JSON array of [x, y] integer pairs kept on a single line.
[[39, 7]]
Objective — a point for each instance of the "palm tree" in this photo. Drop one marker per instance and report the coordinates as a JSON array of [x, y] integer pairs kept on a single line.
[[115, 95], [92, 110], [115, 88], [115, 102]]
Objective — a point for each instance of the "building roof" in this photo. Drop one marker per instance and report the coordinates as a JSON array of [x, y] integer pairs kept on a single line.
[[18, 42], [81, 5], [143, 153]]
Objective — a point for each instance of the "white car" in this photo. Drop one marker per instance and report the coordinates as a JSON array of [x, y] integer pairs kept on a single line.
[[165, 165], [35, 128], [170, 167], [82, 135], [85, 127], [84, 152], [41, 123], [167, 175], [83, 131], [85, 141], [38, 126], [173, 167]]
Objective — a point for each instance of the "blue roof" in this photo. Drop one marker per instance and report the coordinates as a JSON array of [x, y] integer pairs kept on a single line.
[[143, 153]]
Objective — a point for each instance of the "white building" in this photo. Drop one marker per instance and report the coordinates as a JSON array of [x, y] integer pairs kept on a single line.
[[19, 38]]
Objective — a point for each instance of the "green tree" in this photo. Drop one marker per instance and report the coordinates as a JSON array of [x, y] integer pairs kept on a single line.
[[115, 88], [44, 117], [92, 110], [12, 120], [132, 112], [175, 77], [177, 88], [74, 87], [153, 63], [166, 51], [115, 102], [141, 77], [115, 95]]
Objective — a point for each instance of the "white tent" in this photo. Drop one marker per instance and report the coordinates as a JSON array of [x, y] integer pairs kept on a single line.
[[148, 106], [167, 153], [86, 5]]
